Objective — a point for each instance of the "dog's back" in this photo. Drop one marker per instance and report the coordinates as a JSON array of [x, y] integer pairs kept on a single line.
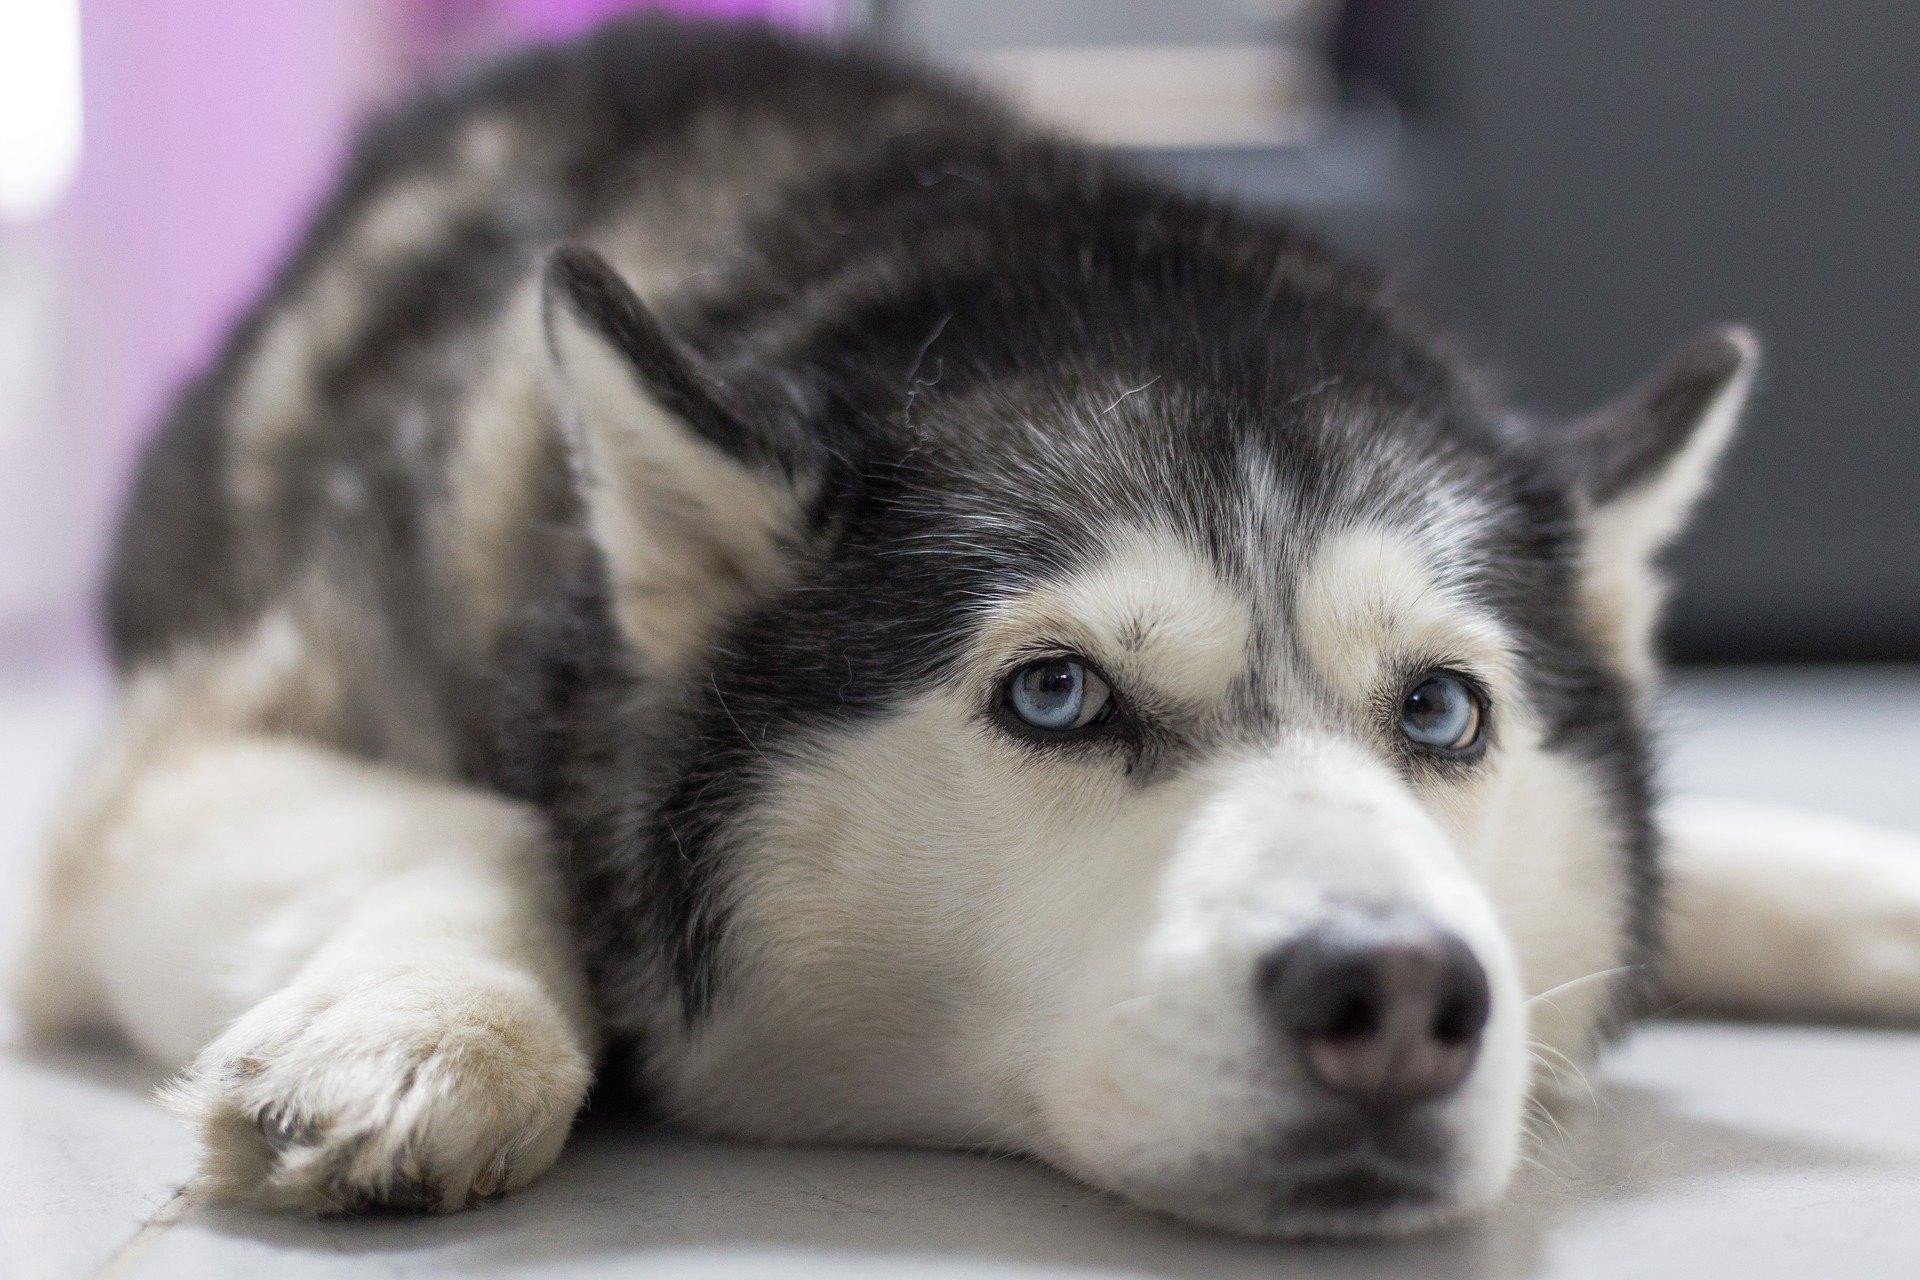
[[374, 456]]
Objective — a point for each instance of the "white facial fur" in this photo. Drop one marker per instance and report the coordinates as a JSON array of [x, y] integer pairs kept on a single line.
[[945, 936]]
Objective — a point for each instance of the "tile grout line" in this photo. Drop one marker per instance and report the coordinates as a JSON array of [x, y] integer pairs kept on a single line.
[[121, 1261]]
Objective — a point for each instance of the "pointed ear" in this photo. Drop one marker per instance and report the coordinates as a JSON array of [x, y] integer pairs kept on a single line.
[[1641, 464], [694, 510]]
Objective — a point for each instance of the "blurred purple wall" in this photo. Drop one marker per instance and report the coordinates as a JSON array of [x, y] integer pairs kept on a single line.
[[210, 129], [213, 127]]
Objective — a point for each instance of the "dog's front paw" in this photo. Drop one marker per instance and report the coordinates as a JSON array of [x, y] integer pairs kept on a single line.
[[1874, 923], [1781, 912], [412, 1090]]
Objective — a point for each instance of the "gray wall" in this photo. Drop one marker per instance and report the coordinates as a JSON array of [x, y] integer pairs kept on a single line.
[[1630, 169]]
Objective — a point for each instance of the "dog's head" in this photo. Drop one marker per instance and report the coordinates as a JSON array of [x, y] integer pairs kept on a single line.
[[1146, 711]]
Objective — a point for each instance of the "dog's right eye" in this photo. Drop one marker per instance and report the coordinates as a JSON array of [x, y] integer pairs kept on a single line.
[[1443, 714], [1058, 695]]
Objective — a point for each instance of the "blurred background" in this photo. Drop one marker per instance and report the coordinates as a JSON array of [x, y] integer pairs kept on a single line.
[[1574, 186]]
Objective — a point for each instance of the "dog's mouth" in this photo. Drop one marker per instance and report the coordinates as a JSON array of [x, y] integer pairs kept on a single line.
[[1364, 1197], [1374, 1185], [1334, 1201], [1368, 1190], [1379, 1182]]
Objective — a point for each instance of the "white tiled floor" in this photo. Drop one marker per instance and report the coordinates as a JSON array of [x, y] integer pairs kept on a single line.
[[1715, 1151]]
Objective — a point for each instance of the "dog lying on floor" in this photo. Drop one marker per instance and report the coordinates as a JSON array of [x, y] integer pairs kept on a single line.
[[743, 566]]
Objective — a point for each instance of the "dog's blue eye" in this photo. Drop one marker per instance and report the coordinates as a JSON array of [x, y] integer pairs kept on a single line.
[[1442, 713], [1058, 695]]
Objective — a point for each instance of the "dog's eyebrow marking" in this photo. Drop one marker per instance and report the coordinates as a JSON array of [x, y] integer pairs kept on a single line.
[[1124, 394], [1150, 607], [1370, 597]]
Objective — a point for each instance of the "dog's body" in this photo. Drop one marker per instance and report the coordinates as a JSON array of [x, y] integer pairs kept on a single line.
[[519, 669]]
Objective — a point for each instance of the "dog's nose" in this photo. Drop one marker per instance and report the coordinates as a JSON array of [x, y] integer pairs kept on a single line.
[[1384, 1009]]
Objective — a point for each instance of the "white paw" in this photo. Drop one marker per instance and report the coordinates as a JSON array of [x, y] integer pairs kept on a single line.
[[1850, 944], [413, 1090], [1876, 949], [1782, 912]]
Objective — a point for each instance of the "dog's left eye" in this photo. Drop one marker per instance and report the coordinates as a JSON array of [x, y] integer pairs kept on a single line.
[[1442, 713], [1058, 695]]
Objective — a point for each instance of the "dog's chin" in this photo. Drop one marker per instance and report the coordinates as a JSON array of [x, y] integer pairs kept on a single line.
[[1361, 1200], [1321, 1182]]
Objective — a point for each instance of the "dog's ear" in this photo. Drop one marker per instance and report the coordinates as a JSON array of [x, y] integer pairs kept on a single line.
[[1641, 463], [695, 506]]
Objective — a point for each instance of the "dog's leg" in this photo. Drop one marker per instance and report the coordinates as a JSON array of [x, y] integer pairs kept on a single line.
[[1785, 913], [363, 971]]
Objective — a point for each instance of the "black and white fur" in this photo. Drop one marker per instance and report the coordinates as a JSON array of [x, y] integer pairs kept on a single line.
[[546, 659]]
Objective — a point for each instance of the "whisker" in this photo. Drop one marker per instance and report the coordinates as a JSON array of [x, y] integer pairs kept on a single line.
[[1538, 1047], [1582, 980], [1544, 1113]]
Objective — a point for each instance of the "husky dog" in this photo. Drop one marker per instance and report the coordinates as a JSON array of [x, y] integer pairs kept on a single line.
[[746, 567]]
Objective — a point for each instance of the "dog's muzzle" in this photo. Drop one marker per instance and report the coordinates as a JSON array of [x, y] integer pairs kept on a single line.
[[1318, 1030]]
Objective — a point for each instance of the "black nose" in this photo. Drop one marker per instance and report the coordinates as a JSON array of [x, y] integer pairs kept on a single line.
[[1385, 1009]]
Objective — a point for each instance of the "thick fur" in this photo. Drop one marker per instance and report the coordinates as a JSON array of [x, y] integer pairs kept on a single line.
[[536, 651]]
